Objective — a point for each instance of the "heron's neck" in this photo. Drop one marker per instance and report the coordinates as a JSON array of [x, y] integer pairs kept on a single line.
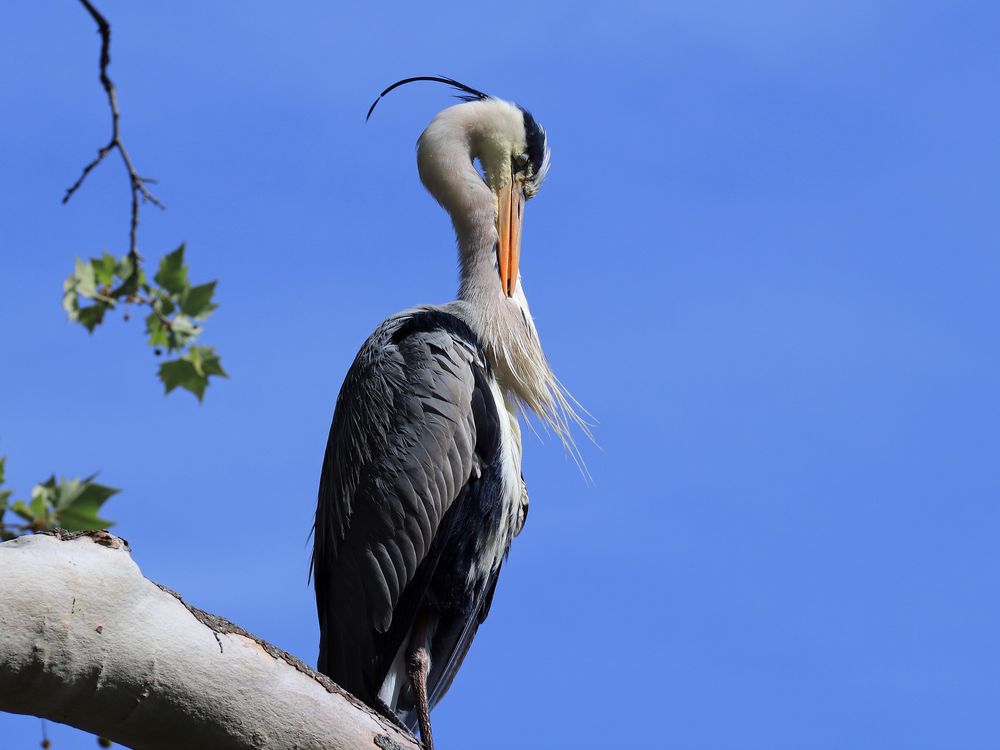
[[507, 332], [504, 324], [445, 157]]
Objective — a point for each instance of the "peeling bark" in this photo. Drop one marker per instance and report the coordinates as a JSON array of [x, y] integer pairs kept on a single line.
[[86, 640]]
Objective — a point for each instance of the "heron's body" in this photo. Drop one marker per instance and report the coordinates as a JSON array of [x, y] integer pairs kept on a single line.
[[436, 497], [421, 491]]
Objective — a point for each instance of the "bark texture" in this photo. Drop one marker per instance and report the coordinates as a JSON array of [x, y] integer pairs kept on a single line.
[[86, 640]]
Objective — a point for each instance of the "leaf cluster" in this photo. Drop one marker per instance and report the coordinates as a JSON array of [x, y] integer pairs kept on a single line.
[[71, 504], [177, 311]]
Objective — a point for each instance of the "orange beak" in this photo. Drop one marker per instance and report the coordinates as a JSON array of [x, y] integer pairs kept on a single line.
[[510, 219]]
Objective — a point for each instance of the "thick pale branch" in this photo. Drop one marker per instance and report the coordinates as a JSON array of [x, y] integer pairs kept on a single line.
[[86, 640]]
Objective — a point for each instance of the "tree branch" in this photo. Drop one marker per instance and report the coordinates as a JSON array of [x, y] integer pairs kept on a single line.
[[86, 640], [136, 182]]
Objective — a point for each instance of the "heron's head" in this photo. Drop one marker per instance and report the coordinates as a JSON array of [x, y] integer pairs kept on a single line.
[[508, 142], [513, 155]]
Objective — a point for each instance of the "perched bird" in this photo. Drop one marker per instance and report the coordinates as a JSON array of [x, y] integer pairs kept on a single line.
[[421, 489]]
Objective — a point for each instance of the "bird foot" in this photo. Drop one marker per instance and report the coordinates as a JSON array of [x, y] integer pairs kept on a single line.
[[417, 667]]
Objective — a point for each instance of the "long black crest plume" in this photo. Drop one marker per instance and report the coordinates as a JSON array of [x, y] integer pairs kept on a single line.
[[471, 93]]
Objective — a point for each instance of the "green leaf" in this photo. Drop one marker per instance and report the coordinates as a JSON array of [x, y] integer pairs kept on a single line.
[[72, 504], [79, 502], [181, 373], [197, 301], [70, 492], [211, 363], [71, 288], [173, 333], [23, 511], [86, 279], [83, 283], [43, 497], [104, 269], [58, 494], [156, 329], [92, 316], [38, 507], [182, 332], [83, 519], [69, 300], [192, 371], [172, 274], [163, 304], [125, 268], [4, 494], [132, 278]]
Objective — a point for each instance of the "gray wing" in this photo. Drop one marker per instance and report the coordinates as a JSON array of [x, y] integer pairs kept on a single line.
[[401, 448]]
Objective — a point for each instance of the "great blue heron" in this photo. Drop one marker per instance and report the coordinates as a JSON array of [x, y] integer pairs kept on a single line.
[[421, 490]]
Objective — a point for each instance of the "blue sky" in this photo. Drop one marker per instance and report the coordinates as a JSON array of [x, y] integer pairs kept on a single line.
[[765, 259]]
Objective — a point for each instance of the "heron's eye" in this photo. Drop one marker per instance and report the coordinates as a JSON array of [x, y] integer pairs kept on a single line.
[[520, 162]]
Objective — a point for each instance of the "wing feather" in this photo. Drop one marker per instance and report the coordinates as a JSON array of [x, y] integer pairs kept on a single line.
[[401, 447]]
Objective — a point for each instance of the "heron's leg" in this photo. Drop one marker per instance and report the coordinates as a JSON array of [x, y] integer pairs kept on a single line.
[[418, 667]]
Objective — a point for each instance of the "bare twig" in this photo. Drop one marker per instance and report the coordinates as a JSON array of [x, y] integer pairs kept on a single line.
[[137, 183]]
